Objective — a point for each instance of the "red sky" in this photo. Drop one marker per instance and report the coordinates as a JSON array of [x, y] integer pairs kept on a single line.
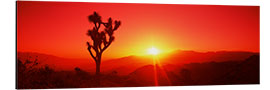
[[59, 28]]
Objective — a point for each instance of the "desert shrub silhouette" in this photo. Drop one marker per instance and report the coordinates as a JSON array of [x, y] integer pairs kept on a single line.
[[101, 39], [30, 74]]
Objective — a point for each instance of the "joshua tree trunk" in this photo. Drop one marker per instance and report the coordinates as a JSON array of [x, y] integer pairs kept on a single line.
[[98, 67], [98, 72]]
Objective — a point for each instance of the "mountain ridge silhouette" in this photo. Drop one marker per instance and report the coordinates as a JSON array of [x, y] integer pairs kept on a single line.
[[129, 63]]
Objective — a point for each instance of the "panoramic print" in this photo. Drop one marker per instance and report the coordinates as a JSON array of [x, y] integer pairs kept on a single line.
[[85, 45]]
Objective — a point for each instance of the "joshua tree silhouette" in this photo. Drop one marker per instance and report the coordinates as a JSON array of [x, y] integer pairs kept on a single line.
[[101, 39]]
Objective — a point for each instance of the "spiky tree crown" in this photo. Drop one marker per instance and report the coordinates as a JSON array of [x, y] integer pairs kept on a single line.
[[101, 39]]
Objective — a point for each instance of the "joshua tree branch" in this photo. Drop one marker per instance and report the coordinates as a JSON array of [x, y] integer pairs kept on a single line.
[[89, 49], [99, 47], [96, 50], [106, 46], [98, 25]]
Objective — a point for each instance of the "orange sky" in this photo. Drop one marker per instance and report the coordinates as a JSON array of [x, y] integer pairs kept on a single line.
[[59, 28]]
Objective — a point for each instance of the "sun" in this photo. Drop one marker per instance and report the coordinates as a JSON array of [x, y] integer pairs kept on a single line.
[[153, 51]]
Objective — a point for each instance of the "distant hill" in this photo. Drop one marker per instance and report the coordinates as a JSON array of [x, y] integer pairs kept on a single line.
[[148, 75], [58, 63], [181, 56], [176, 69], [246, 72], [126, 65], [207, 73]]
